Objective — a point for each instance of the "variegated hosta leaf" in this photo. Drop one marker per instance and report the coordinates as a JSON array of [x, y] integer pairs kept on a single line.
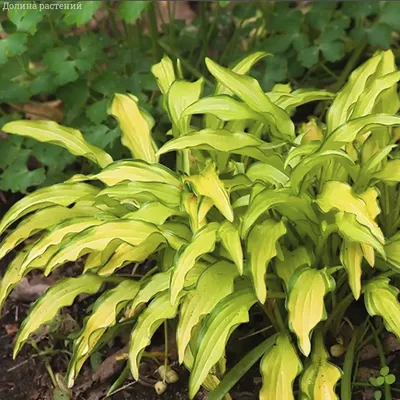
[[370, 197], [296, 154], [104, 315], [62, 294], [205, 205], [62, 194], [307, 289], [302, 96], [242, 67], [261, 247], [190, 203], [211, 381], [203, 242], [17, 270], [392, 251], [296, 208], [366, 102], [291, 261], [12, 276], [215, 331], [249, 90], [230, 239], [160, 282], [159, 310], [142, 192], [349, 131], [156, 284], [214, 284], [182, 94], [93, 260], [208, 184], [311, 166], [135, 125], [164, 74], [214, 139], [353, 231], [237, 182], [224, 107], [177, 234], [390, 174], [351, 257], [57, 235], [279, 368], [131, 171], [42, 219], [97, 238], [388, 100], [260, 204], [381, 299], [153, 212], [319, 379], [267, 173], [69, 138], [348, 96], [339, 196], [126, 253]]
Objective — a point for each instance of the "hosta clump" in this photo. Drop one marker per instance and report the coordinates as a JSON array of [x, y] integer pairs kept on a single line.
[[296, 220]]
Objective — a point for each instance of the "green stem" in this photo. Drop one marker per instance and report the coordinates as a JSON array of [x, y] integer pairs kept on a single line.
[[186, 161], [209, 34], [271, 317], [345, 387], [113, 20], [116, 386], [51, 374], [21, 62], [340, 308], [171, 17], [351, 64], [362, 384], [328, 71], [184, 62], [240, 369], [279, 318], [151, 12], [149, 273], [52, 27], [322, 242], [165, 347], [233, 39], [395, 216], [114, 279], [139, 33], [203, 27], [382, 359]]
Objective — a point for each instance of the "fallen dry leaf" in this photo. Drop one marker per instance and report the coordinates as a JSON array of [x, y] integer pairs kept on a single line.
[[27, 291], [368, 351], [110, 366], [368, 394], [182, 11], [11, 329], [52, 110], [364, 373], [391, 344]]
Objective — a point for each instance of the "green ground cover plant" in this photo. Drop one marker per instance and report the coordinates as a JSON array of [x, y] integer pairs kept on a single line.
[[299, 221], [83, 56]]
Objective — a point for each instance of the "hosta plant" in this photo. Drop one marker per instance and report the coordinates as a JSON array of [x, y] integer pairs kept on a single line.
[[297, 220]]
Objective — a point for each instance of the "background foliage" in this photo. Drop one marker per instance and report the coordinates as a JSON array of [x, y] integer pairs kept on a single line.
[[66, 64]]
